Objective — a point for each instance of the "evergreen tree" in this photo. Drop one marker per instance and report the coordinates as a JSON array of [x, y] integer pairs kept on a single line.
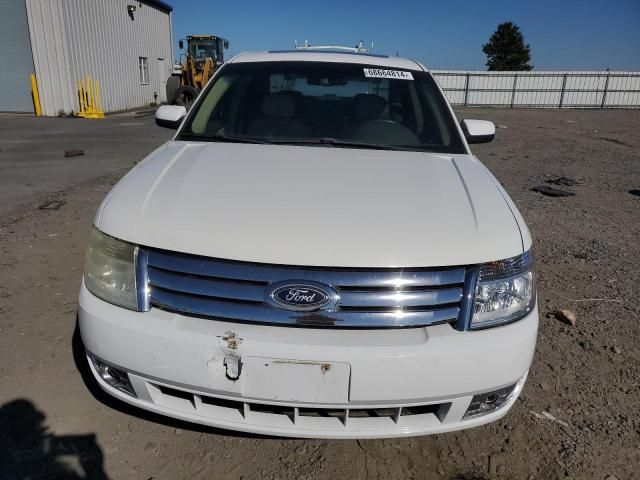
[[506, 49]]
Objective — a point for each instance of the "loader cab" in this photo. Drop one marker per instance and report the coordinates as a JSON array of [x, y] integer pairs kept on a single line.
[[203, 55], [202, 47]]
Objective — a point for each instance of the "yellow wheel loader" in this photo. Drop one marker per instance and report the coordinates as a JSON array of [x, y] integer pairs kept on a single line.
[[203, 56]]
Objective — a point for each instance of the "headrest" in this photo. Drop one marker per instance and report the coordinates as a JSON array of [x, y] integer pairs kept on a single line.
[[368, 106], [279, 104]]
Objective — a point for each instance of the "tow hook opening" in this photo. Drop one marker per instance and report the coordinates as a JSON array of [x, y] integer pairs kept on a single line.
[[229, 344], [233, 367]]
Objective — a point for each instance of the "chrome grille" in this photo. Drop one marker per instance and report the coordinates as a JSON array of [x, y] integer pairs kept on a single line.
[[368, 298]]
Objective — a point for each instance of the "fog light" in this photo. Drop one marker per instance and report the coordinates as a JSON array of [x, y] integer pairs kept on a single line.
[[485, 403], [113, 377]]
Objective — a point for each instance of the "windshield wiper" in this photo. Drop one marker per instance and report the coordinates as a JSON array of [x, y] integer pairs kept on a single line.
[[333, 142], [219, 137], [325, 141]]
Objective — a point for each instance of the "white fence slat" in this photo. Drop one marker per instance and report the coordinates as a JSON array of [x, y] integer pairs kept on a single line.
[[563, 89]]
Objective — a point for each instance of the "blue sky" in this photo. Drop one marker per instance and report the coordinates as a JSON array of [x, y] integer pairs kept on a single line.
[[563, 34]]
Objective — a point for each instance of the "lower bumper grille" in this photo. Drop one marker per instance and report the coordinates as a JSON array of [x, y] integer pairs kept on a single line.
[[331, 417], [364, 298]]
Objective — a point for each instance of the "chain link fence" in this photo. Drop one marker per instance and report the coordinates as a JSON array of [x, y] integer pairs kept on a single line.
[[541, 89]]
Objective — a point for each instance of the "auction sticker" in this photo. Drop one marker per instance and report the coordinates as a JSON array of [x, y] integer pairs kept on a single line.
[[379, 73]]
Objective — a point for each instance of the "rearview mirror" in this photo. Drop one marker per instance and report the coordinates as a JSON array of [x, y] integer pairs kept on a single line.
[[180, 44], [226, 44], [478, 131], [170, 116]]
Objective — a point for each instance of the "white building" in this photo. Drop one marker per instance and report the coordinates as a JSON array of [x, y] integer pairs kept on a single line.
[[125, 45]]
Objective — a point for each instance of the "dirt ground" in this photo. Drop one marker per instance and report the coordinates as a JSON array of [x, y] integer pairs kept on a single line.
[[32, 152], [585, 377]]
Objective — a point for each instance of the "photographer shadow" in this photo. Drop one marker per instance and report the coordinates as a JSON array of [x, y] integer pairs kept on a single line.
[[29, 450]]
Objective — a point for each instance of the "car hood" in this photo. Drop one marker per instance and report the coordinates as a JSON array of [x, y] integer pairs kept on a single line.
[[306, 205]]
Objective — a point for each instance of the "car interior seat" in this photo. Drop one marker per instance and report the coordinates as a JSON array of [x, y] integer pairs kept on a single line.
[[278, 118]]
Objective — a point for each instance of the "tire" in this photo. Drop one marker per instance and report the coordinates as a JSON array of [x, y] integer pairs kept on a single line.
[[173, 84], [185, 96]]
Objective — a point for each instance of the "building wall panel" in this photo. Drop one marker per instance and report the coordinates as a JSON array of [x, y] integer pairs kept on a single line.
[[75, 38], [48, 44], [15, 52]]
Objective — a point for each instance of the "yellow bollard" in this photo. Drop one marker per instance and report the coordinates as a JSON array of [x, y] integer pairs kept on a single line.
[[36, 96], [98, 100], [89, 99], [80, 96], [84, 96], [81, 99], [89, 92]]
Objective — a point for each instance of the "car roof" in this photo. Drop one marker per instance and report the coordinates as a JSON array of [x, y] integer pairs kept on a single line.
[[327, 56]]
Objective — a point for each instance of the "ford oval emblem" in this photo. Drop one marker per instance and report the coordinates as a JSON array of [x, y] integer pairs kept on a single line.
[[302, 296]]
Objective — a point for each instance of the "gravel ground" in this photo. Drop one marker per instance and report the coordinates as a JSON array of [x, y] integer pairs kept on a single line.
[[577, 417]]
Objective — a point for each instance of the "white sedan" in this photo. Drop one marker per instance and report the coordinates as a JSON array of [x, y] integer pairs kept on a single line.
[[316, 253]]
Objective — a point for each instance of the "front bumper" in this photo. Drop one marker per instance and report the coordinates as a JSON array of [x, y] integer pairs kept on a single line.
[[410, 381]]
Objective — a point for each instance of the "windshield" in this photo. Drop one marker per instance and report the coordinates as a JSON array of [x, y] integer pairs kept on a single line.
[[203, 48], [324, 103]]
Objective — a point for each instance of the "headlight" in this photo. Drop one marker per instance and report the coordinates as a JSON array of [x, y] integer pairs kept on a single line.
[[109, 270], [505, 292]]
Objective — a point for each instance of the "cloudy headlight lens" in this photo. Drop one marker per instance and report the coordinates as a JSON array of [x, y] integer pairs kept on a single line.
[[505, 291], [109, 270]]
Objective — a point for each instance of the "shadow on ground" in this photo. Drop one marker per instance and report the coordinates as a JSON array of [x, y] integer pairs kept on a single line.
[[28, 450]]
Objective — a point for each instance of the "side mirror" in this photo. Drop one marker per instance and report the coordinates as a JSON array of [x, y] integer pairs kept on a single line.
[[180, 44], [478, 131], [226, 44], [170, 116]]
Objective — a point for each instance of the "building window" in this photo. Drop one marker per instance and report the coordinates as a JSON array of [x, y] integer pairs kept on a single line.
[[143, 66]]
